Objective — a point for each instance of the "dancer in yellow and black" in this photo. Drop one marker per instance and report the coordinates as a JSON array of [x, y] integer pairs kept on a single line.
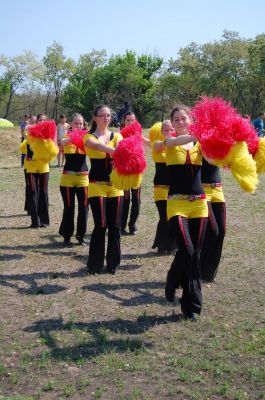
[[187, 213], [74, 182], [215, 233], [132, 195], [104, 199], [164, 241], [37, 176]]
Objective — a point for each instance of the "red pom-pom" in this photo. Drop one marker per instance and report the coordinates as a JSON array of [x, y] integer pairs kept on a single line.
[[128, 158], [218, 126], [134, 129], [76, 138], [244, 131], [45, 130], [212, 125]]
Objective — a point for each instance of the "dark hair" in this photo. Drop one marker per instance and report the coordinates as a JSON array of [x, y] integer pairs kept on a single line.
[[130, 112], [62, 116], [41, 115], [26, 116], [95, 113], [179, 107], [261, 113]]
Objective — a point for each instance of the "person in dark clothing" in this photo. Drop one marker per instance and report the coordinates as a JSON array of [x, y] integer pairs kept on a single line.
[[215, 233], [105, 200], [74, 183], [187, 213]]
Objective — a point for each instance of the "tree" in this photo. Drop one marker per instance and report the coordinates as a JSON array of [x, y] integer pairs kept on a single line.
[[80, 94], [58, 70], [256, 77], [218, 68], [17, 71], [114, 81]]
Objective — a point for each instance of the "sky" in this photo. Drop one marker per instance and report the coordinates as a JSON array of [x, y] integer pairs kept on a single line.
[[156, 27]]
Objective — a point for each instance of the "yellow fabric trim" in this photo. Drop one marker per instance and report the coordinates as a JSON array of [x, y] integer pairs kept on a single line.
[[74, 181], [214, 195], [160, 193], [186, 208], [96, 190]]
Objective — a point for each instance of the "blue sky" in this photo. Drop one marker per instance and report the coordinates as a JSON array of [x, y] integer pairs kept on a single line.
[[159, 27]]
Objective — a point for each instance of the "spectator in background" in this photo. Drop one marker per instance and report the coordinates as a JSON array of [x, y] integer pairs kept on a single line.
[[33, 120], [258, 124], [23, 127], [62, 128]]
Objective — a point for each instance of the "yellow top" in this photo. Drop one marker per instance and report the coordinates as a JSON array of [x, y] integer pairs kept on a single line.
[[159, 157], [177, 155], [71, 148], [93, 153], [32, 165]]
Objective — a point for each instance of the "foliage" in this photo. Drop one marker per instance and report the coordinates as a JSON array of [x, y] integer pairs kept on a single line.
[[58, 69], [17, 71], [232, 68], [121, 78]]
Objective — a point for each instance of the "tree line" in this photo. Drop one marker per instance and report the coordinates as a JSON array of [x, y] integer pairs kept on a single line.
[[232, 68]]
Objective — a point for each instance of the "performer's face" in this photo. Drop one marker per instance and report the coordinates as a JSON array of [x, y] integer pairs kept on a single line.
[[167, 129], [103, 117], [129, 119], [77, 123], [181, 122], [42, 119]]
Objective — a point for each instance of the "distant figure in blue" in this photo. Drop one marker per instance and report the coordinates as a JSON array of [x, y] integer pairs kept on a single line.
[[258, 124]]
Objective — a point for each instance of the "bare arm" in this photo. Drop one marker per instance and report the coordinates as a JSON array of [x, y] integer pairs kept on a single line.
[[65, 141], [93, 144], [179, 140], [146, 140], [158, 147]]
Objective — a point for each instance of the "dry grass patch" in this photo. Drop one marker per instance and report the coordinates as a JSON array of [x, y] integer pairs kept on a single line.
[[65, 334]]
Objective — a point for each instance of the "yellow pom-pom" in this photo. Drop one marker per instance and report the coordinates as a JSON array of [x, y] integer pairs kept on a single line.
[[23, 147], [260, 157], [242, 166], [125, 182], [155, 132], [44, 150]]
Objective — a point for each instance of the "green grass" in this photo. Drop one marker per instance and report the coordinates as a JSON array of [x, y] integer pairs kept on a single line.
[[68, 335]]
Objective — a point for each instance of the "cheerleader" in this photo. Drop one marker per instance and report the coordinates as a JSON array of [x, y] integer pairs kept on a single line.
[[187, 213], [37, 177], [74, 182], [132, 195], [215, 233], [164, 241], [104, 199]]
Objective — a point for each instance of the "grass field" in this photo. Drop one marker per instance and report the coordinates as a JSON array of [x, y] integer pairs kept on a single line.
[[64, 334]]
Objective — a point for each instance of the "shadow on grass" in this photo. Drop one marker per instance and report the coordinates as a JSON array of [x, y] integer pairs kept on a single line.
[[11, 257], [140, 290], [149, 254], [54, 242], [13, 216], [129, 267], [99, 331], [15, 228], [35, 287]]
